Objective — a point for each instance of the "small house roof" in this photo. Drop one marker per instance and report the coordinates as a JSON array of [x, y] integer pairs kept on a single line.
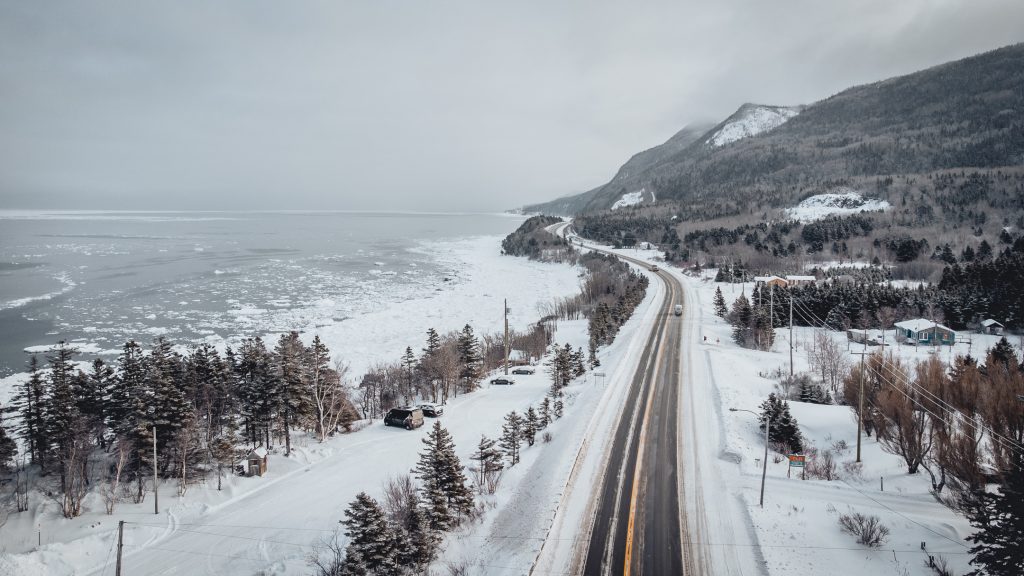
[[767, 278], [919, 324], [990, 322], [260, 452], [795, 278]]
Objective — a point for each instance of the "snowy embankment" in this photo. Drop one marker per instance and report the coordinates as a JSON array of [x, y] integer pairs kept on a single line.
[[272, 523], [797, 530]]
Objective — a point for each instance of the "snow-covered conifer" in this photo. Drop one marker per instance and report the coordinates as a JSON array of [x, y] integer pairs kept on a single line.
[[530, 425], [511, 436], [372, 541]]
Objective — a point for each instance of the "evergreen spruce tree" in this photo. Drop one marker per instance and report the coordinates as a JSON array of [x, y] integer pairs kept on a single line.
[[545, 412], [8, 449], [592, 353], [258, 390], [353, 565], [63, 420], [720, 309], [578, 365], [29, 405], [558, 408], [1002, 352], [165, 384], [999, 519], [296, 404], [92, 390], [488, 459], [420, 547], [444, 483], [530, 425], [836, 318], [469, 357], [740, 317], [371, 539], [784, 428], [511, 436], [409, 364]]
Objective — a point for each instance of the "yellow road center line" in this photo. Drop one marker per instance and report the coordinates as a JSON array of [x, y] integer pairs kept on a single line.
[[640, 448]]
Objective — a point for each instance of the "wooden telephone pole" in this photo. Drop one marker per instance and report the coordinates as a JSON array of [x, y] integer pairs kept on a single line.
[[790, 333], [120, 546], [156, 493], [506, 337], [860, 401]]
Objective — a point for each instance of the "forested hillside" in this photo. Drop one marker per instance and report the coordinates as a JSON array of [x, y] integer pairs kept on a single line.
[[938, 156]]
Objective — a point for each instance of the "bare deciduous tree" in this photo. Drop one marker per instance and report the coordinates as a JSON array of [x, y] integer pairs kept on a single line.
[[111, 492], [904, 428], [828, 359]]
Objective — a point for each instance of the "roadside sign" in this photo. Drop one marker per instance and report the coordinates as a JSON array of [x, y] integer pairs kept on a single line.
[[797, 460]]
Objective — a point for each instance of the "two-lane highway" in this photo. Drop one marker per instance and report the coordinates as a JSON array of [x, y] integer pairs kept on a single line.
[[639, 524]]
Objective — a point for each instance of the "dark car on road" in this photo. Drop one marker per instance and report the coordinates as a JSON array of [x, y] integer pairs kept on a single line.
[[407, 418], [523, 370], [502, 381], [432, 410]]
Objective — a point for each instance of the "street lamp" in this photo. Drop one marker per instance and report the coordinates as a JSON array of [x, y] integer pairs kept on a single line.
[[764, 465]]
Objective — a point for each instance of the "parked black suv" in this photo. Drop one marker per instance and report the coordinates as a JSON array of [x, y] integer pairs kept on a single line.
[[408, 418]]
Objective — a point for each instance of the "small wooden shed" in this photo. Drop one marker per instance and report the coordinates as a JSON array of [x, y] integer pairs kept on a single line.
[[991, 326], [257, 462]]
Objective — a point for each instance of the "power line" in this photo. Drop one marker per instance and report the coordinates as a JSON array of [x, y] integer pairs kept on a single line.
[[996, 437]]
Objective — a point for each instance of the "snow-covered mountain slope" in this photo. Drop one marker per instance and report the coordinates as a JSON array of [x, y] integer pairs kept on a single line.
[[629, 199], [750, 120], [845, 201]]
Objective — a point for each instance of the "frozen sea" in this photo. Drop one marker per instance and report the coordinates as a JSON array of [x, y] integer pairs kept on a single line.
[[97, 279]]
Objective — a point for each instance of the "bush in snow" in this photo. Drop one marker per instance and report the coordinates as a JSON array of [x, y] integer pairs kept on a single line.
[[869, 530], [822, 465]]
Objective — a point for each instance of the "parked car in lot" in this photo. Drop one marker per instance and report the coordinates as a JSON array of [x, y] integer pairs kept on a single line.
[[408, 418], [502, 381], [523, 370], [432, 410]]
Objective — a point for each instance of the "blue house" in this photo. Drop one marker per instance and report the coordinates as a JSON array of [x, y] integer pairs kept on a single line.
[[924, 332]]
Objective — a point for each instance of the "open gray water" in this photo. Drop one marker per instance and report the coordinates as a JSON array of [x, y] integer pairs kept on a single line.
[[100, 278]]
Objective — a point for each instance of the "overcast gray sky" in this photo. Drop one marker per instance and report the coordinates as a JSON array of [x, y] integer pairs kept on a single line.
[[415, 105]]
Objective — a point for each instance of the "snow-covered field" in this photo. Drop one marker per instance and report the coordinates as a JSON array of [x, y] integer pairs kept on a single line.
[[750, 120], [844, 201], [797, 530]]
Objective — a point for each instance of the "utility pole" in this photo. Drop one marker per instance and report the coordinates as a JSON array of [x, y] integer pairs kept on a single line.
[[506, 337], [156, 493], [791, 333], [120, 546], [764, 463], [860, 402]]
